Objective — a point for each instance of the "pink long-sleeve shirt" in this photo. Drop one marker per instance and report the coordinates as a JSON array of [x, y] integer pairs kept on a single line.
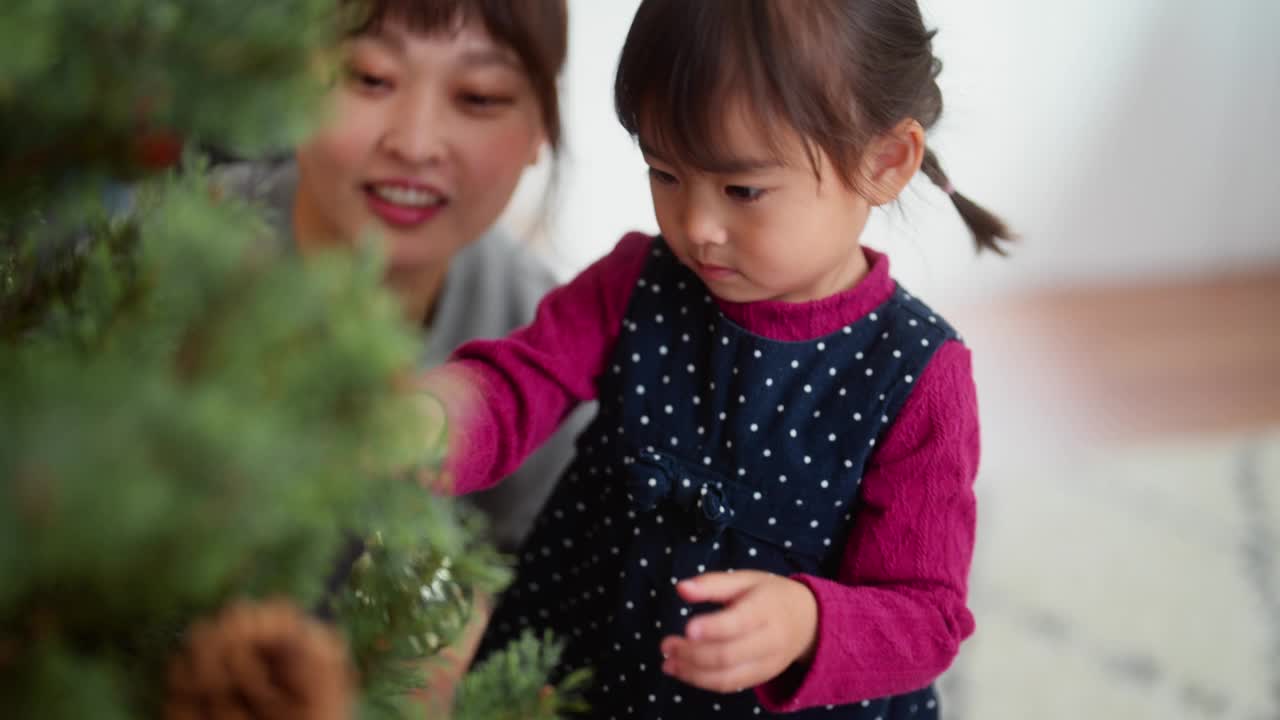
[[893, 617]]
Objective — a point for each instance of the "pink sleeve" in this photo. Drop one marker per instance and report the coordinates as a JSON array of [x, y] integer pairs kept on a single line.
[[894, 618], [525, 384]]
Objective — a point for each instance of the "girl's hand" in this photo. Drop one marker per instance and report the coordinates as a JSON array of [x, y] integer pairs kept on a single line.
[[435, 421], [441, 395], [768, 622]]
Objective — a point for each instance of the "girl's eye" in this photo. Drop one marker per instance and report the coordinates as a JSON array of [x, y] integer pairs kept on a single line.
[[744, 193], [665, 178]]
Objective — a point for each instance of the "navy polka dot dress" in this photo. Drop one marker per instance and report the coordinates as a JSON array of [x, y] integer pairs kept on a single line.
[[714, 449]]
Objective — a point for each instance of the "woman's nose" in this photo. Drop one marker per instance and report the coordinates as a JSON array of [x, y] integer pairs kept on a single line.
[[417, 131]]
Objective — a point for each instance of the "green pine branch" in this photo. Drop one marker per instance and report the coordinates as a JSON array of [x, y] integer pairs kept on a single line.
[[190, 415]]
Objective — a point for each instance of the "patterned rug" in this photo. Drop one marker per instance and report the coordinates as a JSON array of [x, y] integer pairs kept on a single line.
[[1127, 583]]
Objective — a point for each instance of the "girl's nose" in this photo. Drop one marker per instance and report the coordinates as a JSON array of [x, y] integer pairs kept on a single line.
[[702, 226]]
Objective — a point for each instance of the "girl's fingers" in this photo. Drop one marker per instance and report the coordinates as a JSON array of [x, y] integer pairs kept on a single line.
[[718, 587], [737, 619], [714, 655], [737, 677]]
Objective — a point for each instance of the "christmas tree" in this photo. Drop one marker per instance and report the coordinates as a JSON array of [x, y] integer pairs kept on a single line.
[[208, 506]]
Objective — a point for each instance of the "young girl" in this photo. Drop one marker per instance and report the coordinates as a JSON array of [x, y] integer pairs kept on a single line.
[[772, 510]]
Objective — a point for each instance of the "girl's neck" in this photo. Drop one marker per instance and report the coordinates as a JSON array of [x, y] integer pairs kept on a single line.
[[843, 278], [807, 320]]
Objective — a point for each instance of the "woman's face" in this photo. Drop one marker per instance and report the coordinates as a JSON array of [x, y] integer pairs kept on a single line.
[[428, 137]]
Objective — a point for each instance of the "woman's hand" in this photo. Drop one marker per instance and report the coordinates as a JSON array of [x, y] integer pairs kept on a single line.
[[768, 623]]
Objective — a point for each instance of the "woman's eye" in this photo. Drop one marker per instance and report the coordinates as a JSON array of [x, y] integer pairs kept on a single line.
[[486, 100], [665, 178], [743, 192], [367, 81]]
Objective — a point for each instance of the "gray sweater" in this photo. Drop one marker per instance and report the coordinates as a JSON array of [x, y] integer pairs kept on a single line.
[[493, 287]]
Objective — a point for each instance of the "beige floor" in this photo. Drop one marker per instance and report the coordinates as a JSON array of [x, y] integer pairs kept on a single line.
[[1129, 547], [1128, 583]]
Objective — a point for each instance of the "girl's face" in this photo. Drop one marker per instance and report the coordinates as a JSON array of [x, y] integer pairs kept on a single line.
[[762, 227], [428, 137]]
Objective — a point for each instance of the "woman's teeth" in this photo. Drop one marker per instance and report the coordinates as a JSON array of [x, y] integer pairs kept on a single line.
[[409, 197]]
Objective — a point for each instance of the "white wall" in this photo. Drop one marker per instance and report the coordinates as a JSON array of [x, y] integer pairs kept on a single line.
[[1120, 137]]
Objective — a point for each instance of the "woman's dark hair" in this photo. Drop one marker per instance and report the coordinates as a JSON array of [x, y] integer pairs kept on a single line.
[[536, 30], [837, 72]]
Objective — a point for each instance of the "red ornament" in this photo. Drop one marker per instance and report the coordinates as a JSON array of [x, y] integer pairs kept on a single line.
[[157, 150]]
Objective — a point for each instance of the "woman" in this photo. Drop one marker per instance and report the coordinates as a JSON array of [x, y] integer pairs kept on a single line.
[[440, 107]]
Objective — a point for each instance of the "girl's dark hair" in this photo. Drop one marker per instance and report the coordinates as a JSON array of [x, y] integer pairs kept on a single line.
[[837, 72], [536, 30]]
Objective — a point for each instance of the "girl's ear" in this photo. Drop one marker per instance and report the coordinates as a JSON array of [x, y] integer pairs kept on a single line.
[[891, 161]]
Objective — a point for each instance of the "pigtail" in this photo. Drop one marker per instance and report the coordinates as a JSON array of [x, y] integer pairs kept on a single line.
[[987, 229]]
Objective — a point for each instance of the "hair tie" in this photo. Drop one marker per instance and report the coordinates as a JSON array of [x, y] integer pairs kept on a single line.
[[949, 189]]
